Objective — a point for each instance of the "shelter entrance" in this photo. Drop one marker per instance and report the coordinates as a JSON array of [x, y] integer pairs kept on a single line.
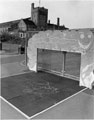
[[59, 62]]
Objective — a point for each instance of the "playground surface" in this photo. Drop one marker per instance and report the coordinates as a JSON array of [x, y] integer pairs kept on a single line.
[[78, 106], [35, 92]]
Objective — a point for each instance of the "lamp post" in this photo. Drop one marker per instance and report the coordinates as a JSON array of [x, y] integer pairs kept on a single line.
[[26, 40], [64, 61], [0, 45]]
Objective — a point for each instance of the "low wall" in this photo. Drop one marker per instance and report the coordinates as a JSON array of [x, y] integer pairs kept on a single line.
[[10, 47]]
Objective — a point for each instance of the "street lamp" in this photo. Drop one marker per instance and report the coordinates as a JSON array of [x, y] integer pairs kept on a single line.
[[64, 61], [26, 42], [0, 44]]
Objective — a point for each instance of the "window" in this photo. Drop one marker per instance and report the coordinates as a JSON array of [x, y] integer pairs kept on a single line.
[[21, 35]]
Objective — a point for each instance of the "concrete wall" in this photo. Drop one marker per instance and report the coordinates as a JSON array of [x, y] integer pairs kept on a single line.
[[10, 47], [81, 41]]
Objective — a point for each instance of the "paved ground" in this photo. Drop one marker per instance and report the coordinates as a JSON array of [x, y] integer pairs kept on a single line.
[[80, 106], [8, 112], [35, 92], [77, 107]]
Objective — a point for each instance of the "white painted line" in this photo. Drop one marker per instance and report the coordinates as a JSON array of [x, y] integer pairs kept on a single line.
[[57, 103], [45, 109], [14, 107], [15, 74], [10, 55]]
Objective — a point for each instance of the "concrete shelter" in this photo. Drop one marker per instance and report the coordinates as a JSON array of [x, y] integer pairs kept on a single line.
[[68, 41]]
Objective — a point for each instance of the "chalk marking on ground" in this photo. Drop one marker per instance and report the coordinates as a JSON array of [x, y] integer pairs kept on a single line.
[[23, 63], [57, 104], [48, 107], [43, 110], [15, 107]]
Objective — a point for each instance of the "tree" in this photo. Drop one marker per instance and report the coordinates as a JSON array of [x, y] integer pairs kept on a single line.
[[10, 38], [4, 37]]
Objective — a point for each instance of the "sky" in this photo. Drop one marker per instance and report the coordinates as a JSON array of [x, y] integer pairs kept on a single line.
[[72, 13]]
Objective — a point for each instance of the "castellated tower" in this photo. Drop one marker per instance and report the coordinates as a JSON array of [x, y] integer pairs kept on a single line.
[[39, 15]]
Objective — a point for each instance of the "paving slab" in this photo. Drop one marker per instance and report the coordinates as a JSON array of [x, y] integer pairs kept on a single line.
[[80, 106], [9, 113], [34, 92]]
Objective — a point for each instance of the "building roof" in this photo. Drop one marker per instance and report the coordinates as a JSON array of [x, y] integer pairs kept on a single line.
[[55, 26], [8, 24], [29, 22], [14, 22], [13, 25]]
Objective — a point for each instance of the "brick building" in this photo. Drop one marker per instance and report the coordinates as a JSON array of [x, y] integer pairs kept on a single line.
[[38, 21]]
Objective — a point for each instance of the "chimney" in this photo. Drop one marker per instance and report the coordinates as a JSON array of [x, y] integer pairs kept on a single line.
[[32, 5], [58, 22]]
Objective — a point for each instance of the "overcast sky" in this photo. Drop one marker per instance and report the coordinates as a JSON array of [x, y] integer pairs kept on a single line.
[[72, 13]]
